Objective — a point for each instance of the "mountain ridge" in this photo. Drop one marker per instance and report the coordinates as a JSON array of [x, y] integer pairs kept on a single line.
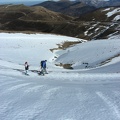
[[71, 8], [101, 23], [101, 3]]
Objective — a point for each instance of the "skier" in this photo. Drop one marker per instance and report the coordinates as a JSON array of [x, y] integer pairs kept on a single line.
[[43, 67], [26, 67]]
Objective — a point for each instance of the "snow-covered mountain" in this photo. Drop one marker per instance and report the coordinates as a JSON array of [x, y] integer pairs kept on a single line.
[[104, 22], [92, 54], [82, 93], [101, 3]]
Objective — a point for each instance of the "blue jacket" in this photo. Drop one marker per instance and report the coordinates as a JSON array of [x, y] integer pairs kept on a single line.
[[43, 64]]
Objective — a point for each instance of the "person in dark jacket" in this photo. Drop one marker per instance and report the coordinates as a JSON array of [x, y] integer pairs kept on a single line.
[[43, 67], [26, 67]]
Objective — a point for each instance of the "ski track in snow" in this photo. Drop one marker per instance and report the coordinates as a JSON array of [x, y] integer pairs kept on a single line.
[[111, 103], [72, 97], [72, 94], [18, 86], [73, 100], [32, 112]]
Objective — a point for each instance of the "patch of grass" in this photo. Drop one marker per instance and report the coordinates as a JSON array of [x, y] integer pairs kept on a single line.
[[68, 44], [65, 45], [66, 66], [108, 60]]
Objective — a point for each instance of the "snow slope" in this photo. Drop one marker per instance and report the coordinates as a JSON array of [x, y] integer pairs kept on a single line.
[[95, 53], [32, 47], [78, 94]]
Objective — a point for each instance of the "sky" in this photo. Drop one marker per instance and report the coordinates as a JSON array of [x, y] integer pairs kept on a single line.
[[26, 2], [21, 1]]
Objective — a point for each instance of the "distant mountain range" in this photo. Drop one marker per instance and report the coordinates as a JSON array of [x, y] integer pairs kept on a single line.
[[101, 3], [99, 23], [72, 8], [95, 3], [25, 2]]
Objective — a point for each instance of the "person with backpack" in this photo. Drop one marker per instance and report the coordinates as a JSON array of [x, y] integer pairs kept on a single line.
[[43, 67], [26, 67]]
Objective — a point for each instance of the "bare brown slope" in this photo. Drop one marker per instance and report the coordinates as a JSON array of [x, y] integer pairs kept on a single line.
[[9, 13], [41, 13], [38, 19], [12, 12], [71, 8]]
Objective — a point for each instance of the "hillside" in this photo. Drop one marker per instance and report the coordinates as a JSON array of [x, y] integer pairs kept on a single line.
[[71, 8], [91, 55], [36, 19], [105, 22], [107, 14], [100, 23], [9, 13]]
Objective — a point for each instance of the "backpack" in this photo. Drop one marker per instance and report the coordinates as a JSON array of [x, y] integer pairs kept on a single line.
[[41, 63], [27, 67]]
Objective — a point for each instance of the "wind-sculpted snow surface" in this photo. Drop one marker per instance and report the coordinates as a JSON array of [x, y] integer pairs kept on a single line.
[[85, 97], [93, 54], [62, 94]]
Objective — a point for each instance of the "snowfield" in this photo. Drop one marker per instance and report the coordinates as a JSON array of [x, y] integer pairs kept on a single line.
[[93, 53], [89, 92]]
